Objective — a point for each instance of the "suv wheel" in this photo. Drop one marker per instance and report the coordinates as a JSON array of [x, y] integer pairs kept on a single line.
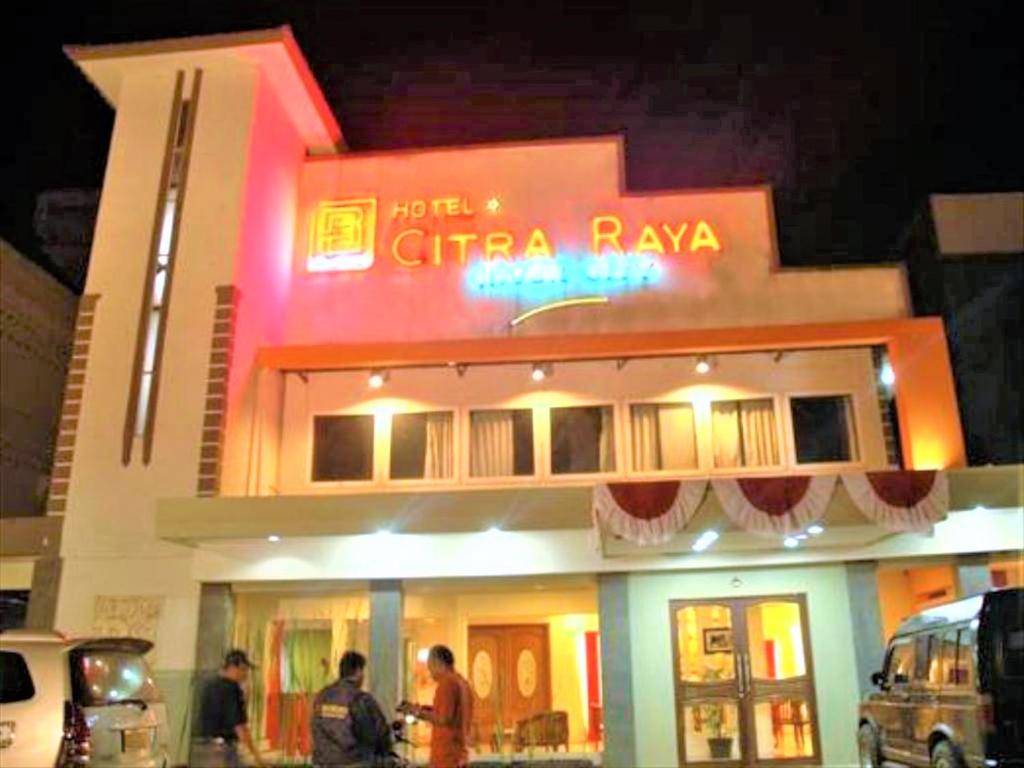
[[945, 756], [867, 745]]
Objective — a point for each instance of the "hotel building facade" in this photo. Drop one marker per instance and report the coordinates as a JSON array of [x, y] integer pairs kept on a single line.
[[662, 496]]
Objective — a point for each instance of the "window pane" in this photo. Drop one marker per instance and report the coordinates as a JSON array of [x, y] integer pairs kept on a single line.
[[823, 429], [744, 433], [948, 662], [712, 731], [664, 436], [15, 679], [901, 662], [775, 635], [926, 669], [342, 448], [501, 443], [706, 653], [582, 440], [965, 657], [421, 446], [103, 677], [783, 728]]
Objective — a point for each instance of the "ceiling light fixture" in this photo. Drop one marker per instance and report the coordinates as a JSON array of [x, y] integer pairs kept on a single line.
[[886, 374], [541, 371], [377, 378], [273, 538], [815, 530], [703, 366], [791, 542], [705, 540]]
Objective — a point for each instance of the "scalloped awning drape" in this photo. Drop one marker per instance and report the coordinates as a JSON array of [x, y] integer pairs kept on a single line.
[[647, 513], [902, 500]]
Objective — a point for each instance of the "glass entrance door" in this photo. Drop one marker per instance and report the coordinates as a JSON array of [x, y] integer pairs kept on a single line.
[[744, 687]]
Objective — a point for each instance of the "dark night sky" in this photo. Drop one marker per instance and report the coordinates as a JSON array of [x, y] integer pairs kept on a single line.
[[853, 115]]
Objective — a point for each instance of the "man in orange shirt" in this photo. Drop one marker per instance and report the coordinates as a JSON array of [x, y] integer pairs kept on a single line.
[[452, 713]]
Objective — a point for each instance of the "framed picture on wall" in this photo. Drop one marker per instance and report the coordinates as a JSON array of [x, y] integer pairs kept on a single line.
[[717, 640]]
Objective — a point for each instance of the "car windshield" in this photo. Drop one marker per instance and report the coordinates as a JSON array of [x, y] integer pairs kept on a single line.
[[107, 677]]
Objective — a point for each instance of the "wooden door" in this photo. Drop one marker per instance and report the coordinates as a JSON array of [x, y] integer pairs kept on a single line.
[[744, 682], [511, 677]]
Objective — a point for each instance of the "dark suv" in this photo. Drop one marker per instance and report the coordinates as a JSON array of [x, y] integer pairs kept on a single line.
[[951, 694]]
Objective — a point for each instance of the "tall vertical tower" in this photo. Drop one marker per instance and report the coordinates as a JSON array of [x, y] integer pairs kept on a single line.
[[188, 276]]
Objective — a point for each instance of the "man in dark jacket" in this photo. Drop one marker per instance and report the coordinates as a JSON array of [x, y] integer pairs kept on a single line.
[[349, 728]]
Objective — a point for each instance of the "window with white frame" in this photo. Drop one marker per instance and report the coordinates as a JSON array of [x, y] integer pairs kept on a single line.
[[823, 429], [582, 440], [744, 433], [342, 448], [501, 443], [422, 446], [664, 436]]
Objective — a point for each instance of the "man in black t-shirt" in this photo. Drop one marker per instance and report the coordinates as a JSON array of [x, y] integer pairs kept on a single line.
[[222, 717]]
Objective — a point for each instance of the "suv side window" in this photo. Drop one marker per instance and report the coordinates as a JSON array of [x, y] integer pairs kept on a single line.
[[966, 647], [926, 655], [15, 679], [901, 661], [950, 675]]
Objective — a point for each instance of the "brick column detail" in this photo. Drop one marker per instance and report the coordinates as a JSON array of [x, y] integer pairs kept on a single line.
[[212, 445], [67, 432]]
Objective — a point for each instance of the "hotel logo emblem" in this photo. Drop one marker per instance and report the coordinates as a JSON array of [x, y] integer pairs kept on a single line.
[[342, 236]]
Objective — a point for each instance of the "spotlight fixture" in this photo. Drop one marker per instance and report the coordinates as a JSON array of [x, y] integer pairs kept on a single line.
[[273, 538], [461, 369], [791, 542], [886, 374], [377, 378], [705, 540], [703, 365], [815, 530], [541, 371], [621, 363]]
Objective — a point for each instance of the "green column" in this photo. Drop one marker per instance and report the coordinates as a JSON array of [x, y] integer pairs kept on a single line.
[[866, 618], [386, 643], [616, 671], [973, 575]]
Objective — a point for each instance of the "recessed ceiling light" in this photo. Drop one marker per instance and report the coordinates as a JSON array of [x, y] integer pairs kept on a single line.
[[790, 542], [273, 538], [377, 379], [703, 366], [815, 530], [705, 540]]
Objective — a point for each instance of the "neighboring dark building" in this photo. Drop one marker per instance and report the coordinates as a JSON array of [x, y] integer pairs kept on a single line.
[[965, 257], [64, 223]]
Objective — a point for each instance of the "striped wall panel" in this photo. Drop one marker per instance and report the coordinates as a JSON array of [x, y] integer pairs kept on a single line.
[[67, 432], [212, 443]]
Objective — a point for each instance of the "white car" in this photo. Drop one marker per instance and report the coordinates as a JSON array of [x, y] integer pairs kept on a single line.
[[71, 703]]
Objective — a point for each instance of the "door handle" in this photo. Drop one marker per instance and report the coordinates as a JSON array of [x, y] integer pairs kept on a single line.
[[741, 674]]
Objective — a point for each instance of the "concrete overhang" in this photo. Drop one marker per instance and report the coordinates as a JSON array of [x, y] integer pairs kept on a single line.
[[35, 536], [524, 509], [275, 51]]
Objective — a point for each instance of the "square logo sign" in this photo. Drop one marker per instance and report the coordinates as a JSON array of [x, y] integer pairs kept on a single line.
[[342, 236]]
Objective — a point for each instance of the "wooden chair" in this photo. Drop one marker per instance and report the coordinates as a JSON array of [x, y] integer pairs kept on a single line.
[[547, 729]]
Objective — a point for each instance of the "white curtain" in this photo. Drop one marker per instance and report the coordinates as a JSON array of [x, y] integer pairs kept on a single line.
[[760, 438], [678, 436], [725, 433], [437, 461], [606, 455], [646, 438], [492, 444]]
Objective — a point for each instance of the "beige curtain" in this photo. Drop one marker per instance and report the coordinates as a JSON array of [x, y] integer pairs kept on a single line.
[[606, 454], [438, 460], [725, 434], [678, 436], [646, 437], [492, 444], [759, 436]]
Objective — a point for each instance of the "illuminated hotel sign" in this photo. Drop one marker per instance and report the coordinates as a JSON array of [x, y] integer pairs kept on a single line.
[[434, 233]]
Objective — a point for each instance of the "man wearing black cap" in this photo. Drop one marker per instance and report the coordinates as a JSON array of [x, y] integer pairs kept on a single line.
[[222, 717]]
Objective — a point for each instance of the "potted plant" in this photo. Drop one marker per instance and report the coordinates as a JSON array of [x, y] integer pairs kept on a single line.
[[713, 718]]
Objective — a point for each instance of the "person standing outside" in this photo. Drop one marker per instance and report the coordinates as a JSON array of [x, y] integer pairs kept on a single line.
[[223, 722], [451, 714], [349, 728]]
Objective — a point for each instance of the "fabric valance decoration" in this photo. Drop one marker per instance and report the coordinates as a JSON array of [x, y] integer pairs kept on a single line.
[[900, 501], [647, 513], [772, 506]]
